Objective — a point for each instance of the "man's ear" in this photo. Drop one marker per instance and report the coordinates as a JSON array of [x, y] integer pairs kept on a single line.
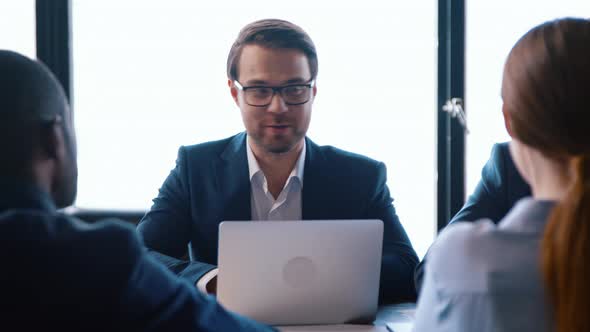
[[233, 90], [507, 120], [315, 90], [51, 139]]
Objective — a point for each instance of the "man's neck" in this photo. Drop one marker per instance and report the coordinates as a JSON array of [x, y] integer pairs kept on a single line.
[[277, 166]]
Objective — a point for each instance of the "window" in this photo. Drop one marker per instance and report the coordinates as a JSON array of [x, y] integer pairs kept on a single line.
[[492, 28], [18, 27], [149, 76]]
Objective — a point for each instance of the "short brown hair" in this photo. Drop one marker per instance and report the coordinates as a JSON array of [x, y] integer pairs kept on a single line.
[[272, 33]]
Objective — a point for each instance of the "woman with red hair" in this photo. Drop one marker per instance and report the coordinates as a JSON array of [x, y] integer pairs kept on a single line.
[[530, 272]]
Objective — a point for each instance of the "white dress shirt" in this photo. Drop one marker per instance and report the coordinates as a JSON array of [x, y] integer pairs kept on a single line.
[[263, 205]]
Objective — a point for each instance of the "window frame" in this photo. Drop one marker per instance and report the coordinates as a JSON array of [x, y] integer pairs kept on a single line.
[[54, 48]]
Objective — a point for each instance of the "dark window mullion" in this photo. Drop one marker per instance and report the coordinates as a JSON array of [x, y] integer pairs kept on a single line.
[[450, 136], [54, 39]]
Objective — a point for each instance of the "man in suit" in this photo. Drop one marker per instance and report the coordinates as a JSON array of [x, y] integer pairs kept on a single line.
[[272, 171], [58, 272], [500, 187]]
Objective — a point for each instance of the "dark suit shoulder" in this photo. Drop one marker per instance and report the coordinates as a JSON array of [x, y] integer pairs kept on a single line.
[[501, 150], [355, 178], [501, 173], [70, 244], [493, 171], [344, 168], [58, 226], [347, 158], [61, 267]]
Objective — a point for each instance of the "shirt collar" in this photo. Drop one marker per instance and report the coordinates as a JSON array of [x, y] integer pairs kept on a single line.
[[528, 215], [254, 168]]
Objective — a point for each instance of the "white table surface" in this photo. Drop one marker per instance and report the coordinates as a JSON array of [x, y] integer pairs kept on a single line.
[[390, 318]]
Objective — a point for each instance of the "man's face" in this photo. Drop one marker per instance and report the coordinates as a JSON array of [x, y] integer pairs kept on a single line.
[[66, 175], [277, 127]]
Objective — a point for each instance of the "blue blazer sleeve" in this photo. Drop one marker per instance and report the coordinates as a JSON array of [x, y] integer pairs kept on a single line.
[[166, 228], [156, 300], [66, 275], [399, 258], [491, 199]]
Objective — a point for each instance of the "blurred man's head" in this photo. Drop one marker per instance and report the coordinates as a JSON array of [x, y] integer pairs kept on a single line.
[[37, 138]]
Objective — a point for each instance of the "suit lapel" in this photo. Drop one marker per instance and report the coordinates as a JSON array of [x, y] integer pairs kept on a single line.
[[313, 183], [232, 178]]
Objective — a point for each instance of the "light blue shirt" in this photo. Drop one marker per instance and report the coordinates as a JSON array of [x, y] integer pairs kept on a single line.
[[485, 277]]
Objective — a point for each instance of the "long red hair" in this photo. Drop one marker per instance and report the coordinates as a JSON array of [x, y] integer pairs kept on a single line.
[[546, 91]]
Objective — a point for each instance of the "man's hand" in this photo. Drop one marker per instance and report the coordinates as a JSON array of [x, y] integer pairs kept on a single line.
[[208, 282]]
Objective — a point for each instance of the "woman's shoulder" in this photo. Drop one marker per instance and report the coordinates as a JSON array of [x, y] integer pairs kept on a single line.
[[463, 255]]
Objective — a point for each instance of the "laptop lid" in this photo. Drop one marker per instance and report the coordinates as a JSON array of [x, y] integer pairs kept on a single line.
[[301, 272]]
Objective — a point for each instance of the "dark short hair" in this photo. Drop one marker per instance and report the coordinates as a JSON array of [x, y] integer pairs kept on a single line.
[[276, 34], [29, 97]]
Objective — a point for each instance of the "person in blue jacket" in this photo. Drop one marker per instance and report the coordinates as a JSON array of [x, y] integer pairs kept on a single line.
[[59, 273], [273, 171], [529, 271]]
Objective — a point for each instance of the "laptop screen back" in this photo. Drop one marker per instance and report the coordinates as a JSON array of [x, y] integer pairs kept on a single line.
[[301, 272]]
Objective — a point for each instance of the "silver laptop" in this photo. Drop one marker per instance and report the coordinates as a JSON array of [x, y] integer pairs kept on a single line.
[[301, 272]]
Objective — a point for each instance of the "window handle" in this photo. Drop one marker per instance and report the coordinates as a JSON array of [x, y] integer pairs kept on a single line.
[[454, 107]]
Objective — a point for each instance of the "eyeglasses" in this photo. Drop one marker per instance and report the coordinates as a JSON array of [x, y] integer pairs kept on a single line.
[[293, 94]]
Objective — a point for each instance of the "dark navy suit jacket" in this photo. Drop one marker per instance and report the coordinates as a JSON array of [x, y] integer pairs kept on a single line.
[[61, 274], [500, 187], [211, 183]]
